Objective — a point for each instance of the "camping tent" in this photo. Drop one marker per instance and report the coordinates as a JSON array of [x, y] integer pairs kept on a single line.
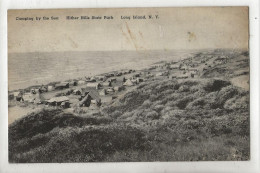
[[85, 101], [10, 96], [50, 88], [73, 83], [80, 82], [57, 100], [91, 97], [112, 80], [18, 96], [128, 83], [28, 97], [65, 104], [94, 96], [94, 85], [103, 92], [77, 92], [107, 84], [110, 90], [62, 85], [118, 88]]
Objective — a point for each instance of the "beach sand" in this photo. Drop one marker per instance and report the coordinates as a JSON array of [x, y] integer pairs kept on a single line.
[[17, 112]]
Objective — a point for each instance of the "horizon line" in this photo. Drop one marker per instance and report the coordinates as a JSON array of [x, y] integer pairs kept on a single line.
[[165, 50]]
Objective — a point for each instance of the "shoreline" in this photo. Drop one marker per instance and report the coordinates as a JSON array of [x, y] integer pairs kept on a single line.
[[183, 56]]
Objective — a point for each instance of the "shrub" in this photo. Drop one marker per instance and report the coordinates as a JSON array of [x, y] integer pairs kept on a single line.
[[158, 108], [131, 101], [182, 103], [127, 115], [197, 104], [190, 83], [86, 144], [215, 85], [237, 103], [172, 114], [192, 124], [153, 97], [147, 104], [138, 112], [184, 88], [163, 86], [142, 85], [167, 92], [195, 88], [227, 93], [115, 114], [152, 115]]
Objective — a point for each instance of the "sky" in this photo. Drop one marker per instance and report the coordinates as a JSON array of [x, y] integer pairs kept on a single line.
[[176, 28]]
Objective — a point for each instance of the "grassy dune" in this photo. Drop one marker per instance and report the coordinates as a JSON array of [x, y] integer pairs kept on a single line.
[[169, 120]]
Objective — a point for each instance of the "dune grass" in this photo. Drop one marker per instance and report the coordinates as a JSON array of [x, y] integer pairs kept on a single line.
[[169, 120]]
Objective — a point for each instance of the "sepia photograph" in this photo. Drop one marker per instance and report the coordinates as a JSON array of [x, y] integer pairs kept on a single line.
[[162, 84]]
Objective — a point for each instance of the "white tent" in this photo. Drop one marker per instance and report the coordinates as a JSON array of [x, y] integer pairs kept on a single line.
[[128, 83]]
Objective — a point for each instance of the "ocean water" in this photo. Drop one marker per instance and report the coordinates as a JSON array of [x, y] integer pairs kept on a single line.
[[27, 69]]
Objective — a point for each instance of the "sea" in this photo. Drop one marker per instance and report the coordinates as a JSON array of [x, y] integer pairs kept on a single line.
[[37, 68]]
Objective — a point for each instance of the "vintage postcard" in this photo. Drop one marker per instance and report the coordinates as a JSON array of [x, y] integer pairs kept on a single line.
[[128, 85]]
